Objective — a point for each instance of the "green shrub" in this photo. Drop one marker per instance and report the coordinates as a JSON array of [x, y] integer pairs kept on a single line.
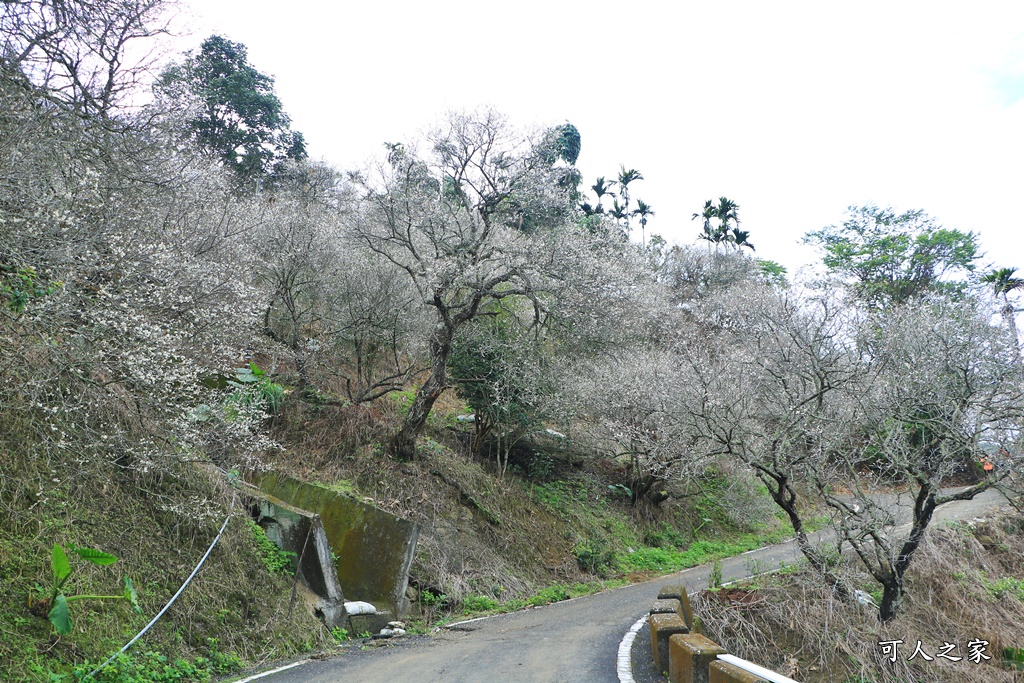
[[554, 593], [479, 603], [252, 389], [1013, 658], [595, 556], [1005, 586], [60, 614], [666, 537], [19, 286], [541, 466], [154, 667], [715, 578], [274, 559]]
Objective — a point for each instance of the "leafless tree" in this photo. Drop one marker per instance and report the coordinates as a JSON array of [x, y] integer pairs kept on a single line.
[[378, 326], [945, 397], [452, 223], [777, 384], [84, 54]]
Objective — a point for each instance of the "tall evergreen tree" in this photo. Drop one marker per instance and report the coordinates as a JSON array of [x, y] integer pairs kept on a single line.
[[237, 114]]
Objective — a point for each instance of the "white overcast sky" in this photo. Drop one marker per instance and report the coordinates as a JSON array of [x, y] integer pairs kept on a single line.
[[795, 110]]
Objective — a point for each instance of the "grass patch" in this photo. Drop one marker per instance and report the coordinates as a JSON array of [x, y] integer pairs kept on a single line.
[[698, 553], [479, 605], [1006, 586], [154, 667]]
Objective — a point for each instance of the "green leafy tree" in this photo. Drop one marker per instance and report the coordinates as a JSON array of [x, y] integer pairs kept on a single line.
[[236, 113], [495, 367], [894, 258], [601, 188], [727, 230], [709, 233], [772, 272], [1003, 282], [567, 142], [740, 238], [620, 212], [644, 211], [625, 178], [727, 212]]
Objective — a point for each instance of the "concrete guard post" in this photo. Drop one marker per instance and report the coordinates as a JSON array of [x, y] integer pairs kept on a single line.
[[724, 672], [678, 592], [690, 657], [669, 606], [664, 626]]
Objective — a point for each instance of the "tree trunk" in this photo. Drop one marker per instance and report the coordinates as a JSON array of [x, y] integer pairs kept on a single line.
[[1009, 315], [785, 498], [892, 598], [403, 444], [892, 587]]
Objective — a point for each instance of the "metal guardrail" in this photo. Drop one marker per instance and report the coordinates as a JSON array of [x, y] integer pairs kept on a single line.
[[764, 673]]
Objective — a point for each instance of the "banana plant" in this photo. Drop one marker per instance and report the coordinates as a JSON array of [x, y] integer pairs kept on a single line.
[[60, 614]]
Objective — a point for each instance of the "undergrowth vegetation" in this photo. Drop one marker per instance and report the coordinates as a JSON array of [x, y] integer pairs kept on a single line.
[[158, 525]]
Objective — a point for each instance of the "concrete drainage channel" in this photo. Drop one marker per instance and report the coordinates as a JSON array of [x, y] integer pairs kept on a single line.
[[331, 535]]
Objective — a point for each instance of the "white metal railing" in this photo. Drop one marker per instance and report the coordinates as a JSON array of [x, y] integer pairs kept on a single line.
[[764, 673]]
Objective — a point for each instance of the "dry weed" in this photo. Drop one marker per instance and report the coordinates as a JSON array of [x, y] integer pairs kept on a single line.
[[953, 596]]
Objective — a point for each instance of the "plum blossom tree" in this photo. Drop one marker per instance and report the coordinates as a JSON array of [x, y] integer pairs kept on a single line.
[[450, 222], [942, 393], [123, 283], [776, 387], [75, 52]]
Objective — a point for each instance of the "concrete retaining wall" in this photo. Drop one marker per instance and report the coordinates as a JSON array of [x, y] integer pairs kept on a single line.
[[374, 548], [301, 532]]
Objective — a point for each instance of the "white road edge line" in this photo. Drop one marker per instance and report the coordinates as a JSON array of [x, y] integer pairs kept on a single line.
[[469, 621], [274, 671], [624, 663]]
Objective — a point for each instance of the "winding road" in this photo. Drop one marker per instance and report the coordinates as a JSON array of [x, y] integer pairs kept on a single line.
[[567, 642]]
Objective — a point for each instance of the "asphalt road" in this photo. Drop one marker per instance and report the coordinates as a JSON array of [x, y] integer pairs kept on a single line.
[[568, 642]]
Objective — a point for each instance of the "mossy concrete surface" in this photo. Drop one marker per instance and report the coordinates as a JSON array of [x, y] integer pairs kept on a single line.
[[677, 592], [668, 606], [374, 548], [690, 657], [301, 532], [664, 626]]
